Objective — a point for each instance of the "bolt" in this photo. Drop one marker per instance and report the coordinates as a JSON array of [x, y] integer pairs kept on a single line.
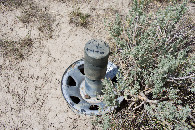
[[87, 96]]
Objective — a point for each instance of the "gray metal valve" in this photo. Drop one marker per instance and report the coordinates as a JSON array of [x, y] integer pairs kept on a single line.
[[82, 81], [96, 53]]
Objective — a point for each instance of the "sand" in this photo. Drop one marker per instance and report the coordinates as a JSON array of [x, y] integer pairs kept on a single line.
[[30, 89]]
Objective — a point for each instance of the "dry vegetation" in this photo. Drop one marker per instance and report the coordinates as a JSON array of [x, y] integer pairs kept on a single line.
[[79, 19], [16, 49]]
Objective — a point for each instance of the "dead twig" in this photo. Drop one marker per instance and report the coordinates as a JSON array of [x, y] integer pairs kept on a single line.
[[131, 105], [139, 106], [148, 91], [143, 97], [181, 78], [190, 115]]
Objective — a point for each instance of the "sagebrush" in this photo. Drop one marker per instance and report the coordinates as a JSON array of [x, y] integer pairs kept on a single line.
[[155, 52]]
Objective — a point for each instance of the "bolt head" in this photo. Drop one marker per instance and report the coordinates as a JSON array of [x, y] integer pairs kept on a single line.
[[87, 96]]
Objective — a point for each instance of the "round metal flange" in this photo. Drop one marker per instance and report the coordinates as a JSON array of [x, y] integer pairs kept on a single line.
[[73, 90]]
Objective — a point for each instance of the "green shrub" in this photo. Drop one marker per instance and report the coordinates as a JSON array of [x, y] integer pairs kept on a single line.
[[157, 68]]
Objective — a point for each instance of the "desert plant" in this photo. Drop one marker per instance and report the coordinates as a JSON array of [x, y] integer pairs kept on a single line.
[[78, 18], [158, 71]]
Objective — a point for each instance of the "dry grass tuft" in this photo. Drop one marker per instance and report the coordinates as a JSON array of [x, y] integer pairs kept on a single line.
[[16, 49], [79, 19]]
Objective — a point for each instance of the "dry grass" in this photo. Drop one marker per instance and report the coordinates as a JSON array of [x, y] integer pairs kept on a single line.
[[78, 18], [18, 50]]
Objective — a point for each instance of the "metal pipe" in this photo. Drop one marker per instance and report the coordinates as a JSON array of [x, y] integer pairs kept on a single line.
[[96, 53]]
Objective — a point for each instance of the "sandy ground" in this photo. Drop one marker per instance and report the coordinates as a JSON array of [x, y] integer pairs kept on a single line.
[[30, 89]]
